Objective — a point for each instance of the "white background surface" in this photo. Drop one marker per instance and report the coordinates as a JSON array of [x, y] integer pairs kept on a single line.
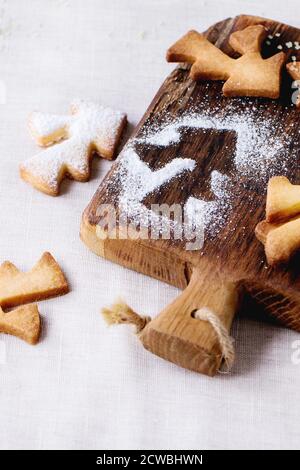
[[85, 386]]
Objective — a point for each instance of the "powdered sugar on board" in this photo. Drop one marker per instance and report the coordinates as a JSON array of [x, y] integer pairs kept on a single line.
[[211, 216], [141, 180], [137, 180], [259, 154], [257, 149], [197, 216]]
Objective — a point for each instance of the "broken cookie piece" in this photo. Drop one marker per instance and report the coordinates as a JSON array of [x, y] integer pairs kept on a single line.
[[23, 322]]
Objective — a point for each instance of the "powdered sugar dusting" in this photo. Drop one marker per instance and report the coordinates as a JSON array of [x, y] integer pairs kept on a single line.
[[45, 125], [211, 215], [219, 184], [259, 153], [256, 147], [141, 180], [70, 155], [93, 122], [138, 180], [90, 126]]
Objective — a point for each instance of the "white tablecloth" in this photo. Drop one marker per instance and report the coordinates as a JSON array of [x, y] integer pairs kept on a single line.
[[86, 386]]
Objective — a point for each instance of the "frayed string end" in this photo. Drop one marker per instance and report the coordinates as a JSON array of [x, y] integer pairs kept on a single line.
[[121, 313]]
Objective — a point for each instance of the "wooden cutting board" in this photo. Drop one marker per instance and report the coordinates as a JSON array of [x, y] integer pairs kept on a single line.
[[231, 257]]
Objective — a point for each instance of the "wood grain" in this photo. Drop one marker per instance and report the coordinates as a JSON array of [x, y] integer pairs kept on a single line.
[[178, 337], [234, 254]]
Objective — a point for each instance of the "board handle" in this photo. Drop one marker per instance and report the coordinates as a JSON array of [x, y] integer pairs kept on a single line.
[[178, 335]]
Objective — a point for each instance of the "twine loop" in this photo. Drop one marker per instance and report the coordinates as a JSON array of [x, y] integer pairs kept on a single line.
[[225, 340]]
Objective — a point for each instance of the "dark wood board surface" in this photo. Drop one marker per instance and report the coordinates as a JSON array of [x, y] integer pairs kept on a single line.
[[234, 252]]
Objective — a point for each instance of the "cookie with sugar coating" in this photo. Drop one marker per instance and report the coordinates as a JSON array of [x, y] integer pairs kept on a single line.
[[47, 129], [90, 128]]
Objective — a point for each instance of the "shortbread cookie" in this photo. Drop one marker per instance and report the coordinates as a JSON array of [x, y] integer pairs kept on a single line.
[[294, 70], [23, 322], [280, 232], [47, 129], [283, 200], [263, 229], [208, 61], [249, 75], [45, 280], [90, 128], [283, 242]]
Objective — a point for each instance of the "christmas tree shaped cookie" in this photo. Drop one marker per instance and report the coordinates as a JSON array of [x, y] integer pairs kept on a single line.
[[249, 75], [90, 128]]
